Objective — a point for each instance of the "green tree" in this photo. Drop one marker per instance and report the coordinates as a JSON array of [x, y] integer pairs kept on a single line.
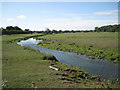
[[10, 28], [48, 31], [17, 28]]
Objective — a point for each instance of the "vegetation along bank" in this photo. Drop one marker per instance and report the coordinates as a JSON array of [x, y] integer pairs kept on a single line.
[[24, 67], [103, 45]]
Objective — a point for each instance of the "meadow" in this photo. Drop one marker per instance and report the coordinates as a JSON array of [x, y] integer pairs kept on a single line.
[[103, 45], [24, 67]]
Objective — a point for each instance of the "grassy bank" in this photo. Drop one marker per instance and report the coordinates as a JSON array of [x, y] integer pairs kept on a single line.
[[23, 67], [103, 45]]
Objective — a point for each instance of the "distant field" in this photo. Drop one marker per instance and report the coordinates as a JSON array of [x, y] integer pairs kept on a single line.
[[102, 45], [16, 36]]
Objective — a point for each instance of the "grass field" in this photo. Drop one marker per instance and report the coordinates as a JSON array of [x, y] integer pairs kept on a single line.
[[23, 67], [16, 36], [103, 45]]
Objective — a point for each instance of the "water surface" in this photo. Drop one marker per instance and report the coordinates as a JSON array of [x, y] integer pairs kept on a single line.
[[100, 67]]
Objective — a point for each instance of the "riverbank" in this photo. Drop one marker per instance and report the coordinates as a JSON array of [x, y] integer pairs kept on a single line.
[[23, 67], [103, 45]]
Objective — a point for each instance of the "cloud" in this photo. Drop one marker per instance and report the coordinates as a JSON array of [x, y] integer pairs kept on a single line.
[[10, 19], [112, 12], [76, 23], [21, 17], [68, 23]]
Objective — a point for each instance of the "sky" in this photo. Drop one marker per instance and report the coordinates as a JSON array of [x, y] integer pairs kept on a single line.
[[59, 15]]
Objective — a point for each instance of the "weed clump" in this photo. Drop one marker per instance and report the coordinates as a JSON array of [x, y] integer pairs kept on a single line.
[[50, 57]]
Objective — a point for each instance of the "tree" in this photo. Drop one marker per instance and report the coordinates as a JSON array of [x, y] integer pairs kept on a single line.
[[96, 29], [10, 28], [108, 28], [60, 31], [54, 31], [14, 30], [17, 28], [73, 31], [48, 31], [27, 30]]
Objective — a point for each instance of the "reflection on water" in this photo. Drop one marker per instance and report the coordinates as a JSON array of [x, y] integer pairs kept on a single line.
[[100, 67], [29, 41]]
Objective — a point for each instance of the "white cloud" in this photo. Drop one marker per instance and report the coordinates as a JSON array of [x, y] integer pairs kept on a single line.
[[68, 23], [74, 23], [9, 19], [112, 12], [21, 17]]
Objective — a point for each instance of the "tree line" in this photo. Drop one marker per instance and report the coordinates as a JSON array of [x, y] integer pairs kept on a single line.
[[108, 28], [16, 30]]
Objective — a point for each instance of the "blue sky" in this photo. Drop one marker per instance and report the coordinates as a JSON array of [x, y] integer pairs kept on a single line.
[[59, 15]]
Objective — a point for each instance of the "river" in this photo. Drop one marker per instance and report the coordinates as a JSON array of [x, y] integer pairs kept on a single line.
[[94, 67]]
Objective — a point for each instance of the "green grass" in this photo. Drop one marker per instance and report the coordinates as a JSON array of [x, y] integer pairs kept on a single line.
[[22, 66], [103, 45], [16, 36]]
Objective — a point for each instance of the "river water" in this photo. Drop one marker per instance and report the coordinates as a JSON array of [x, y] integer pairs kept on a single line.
[[94, 67]]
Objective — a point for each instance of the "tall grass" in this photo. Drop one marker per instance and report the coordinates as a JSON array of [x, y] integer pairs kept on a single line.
[[103, 45], [101, 39]]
